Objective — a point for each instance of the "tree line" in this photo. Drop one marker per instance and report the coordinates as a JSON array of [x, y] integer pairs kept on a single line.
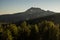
[[45, 30]]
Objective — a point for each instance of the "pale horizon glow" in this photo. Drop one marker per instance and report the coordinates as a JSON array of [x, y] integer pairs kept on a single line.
[[15, 6]]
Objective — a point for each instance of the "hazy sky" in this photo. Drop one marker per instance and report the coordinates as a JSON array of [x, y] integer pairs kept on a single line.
[[14, 6]]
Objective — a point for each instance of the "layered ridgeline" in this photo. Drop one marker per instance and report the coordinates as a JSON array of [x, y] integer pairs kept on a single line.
[[33, 13]]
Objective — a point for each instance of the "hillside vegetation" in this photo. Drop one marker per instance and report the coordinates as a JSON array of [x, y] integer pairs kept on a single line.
[[45, 30]]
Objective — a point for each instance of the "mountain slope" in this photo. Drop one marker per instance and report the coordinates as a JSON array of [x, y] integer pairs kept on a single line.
[[30, 14]]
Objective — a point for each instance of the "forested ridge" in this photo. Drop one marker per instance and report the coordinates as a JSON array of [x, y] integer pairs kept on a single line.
[[45, 30]]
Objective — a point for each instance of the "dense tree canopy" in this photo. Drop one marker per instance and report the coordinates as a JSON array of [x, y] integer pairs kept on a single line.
[[45, 30]]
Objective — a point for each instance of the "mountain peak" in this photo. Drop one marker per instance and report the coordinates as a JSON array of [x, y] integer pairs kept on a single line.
[[34, 9]]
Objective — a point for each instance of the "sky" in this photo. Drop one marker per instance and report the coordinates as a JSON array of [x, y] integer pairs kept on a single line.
[[15, 6]]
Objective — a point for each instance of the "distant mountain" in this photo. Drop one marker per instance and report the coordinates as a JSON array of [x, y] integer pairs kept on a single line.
[[30, 14]]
